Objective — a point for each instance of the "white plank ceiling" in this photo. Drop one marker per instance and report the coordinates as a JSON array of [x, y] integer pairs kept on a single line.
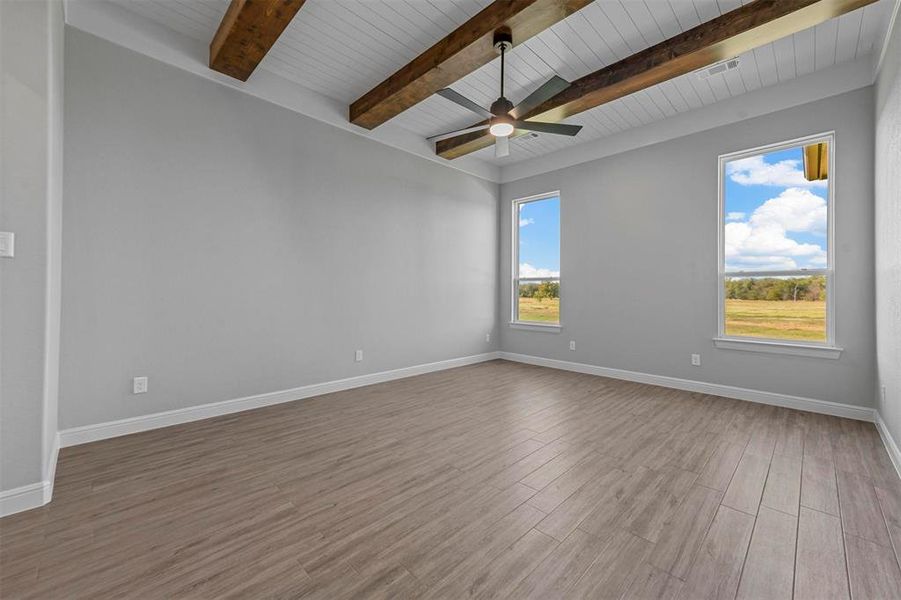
[[343, 48]]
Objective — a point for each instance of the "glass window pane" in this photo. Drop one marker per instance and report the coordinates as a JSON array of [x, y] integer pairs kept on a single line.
[[539, 238], [539, 301], [775, 210], [781, 308]]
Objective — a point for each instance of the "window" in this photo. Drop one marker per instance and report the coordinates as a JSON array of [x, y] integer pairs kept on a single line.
[[536, 260], [775, 254]]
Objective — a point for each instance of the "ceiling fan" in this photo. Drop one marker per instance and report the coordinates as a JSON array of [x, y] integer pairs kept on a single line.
[[503, 118]]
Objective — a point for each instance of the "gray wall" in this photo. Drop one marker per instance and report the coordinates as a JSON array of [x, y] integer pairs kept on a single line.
[[224, 247], [888, 235], [638, 258], [31, 36]]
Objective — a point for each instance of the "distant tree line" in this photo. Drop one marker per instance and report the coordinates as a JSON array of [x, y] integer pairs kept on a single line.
[[771, 288], [540, 291]]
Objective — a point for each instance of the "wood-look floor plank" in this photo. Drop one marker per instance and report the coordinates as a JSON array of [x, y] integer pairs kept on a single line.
[[717, 567], [611, 575], [483, 578], [541, 477], [747, 483], [567, 516], [819, 489], [719, 469], [861, 513], [769, 566], [820, 570], [482, 537], [497, 480], [783, 484], [872, 570], [561, 569], [684, 531], [557, 491], [790, 434], [889, 496], [651, 583]]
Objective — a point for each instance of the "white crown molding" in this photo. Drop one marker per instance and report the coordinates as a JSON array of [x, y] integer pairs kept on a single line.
[[102, 431], [130, 30], [809, 88], [836, 409]]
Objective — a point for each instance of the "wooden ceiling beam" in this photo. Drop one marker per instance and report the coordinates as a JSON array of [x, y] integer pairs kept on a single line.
[[464, 50], [738, 31], [247, 32]]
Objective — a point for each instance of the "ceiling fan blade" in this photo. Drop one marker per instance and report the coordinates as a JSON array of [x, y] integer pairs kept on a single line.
[[464, 102], [555, 128], [548, 90], [501, 147], [441, 136]]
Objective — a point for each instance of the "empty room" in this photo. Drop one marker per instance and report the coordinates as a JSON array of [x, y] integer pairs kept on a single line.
[[520, 299]]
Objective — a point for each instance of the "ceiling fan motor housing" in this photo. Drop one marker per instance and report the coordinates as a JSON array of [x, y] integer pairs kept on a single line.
[[503, 39], [501, 106]]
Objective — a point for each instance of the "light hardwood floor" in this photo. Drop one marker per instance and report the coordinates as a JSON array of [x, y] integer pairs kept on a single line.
[[498, 480]]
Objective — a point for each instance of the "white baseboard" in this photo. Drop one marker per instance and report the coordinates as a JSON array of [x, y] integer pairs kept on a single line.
[[102, 431], [22, 498], [888, 441], [38, 494], [33, 495], [849, 411]]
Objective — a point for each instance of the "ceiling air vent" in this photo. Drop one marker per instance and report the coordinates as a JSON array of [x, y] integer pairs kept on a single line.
[[718, 68], [527, 137]]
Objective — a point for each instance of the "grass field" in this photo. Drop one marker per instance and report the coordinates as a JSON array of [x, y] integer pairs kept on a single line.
[[803, 320], [546, 311]]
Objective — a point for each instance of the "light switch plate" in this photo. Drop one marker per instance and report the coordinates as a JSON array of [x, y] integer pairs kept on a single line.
[[7, 244]]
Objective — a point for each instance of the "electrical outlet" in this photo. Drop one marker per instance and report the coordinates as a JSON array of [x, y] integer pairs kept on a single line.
[[572, 345], [358, 356], [696, 360], [7, 244], [487, 337], [139, 385]]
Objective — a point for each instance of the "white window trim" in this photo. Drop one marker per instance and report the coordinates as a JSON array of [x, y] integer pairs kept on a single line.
[[515, 323], [827, 349]]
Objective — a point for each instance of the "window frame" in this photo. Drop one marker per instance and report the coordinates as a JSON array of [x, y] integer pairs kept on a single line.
[[826, 349], [515, 322]]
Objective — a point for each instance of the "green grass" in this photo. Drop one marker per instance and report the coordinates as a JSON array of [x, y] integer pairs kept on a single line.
[[801, 321], [545, 311]]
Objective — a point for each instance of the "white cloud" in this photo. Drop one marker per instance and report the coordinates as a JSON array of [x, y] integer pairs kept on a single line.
[[761, 243], [755, 171], [794, 209], [528, 271], [735, 216], [524, 222]]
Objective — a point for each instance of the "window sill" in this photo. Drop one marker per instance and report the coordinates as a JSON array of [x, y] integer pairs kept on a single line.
[[545, 327], [771, 347]]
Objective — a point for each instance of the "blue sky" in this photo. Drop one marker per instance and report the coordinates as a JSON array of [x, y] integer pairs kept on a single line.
[[775, 218], [539, 238]]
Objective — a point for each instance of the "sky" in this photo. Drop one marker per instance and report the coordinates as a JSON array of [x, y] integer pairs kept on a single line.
[[539, 238], [775, 218]]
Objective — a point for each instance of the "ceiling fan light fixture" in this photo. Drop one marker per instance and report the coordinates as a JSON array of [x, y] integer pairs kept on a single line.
[[501, 129], [504, 119]]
